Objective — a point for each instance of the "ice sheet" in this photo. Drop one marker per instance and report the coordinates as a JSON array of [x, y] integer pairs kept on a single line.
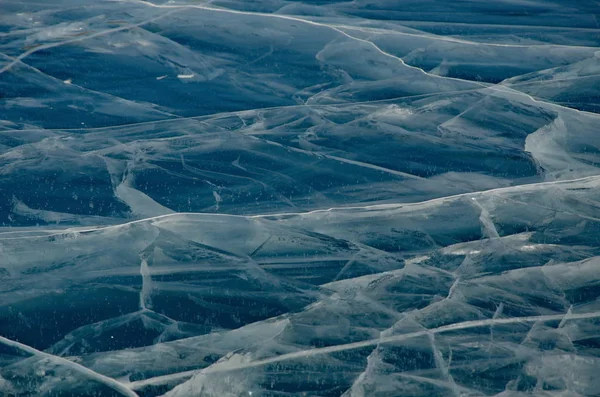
[[283, 198]]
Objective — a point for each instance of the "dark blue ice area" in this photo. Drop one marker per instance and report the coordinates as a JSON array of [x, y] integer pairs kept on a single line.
[[269, 198]]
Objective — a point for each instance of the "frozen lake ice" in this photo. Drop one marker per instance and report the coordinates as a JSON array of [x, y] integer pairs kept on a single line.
[[278, 198]]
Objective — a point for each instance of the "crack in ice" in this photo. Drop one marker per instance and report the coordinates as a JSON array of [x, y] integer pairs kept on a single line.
[[357, 345], [105, 380]]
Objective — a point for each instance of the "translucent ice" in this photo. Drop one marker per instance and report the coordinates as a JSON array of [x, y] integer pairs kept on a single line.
[[284, 198]]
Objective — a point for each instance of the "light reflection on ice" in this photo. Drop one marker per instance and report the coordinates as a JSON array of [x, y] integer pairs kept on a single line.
[[275, 198]]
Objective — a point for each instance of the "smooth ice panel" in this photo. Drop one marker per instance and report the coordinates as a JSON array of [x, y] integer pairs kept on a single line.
[[369, 198]]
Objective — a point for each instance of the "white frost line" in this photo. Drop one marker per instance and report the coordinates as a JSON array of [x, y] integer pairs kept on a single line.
[[373, 166], [526, 187], [306, 21], [453, 39], [501, 25], [332, 27], [213, 116], [443, 367], [146, 291], [340, 159], [357, 345], [82, 38], [105, 380], [273, 107], [508, 83]]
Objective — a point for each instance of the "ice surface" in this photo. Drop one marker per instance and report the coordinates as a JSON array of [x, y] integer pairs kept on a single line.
[[282, 198]]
